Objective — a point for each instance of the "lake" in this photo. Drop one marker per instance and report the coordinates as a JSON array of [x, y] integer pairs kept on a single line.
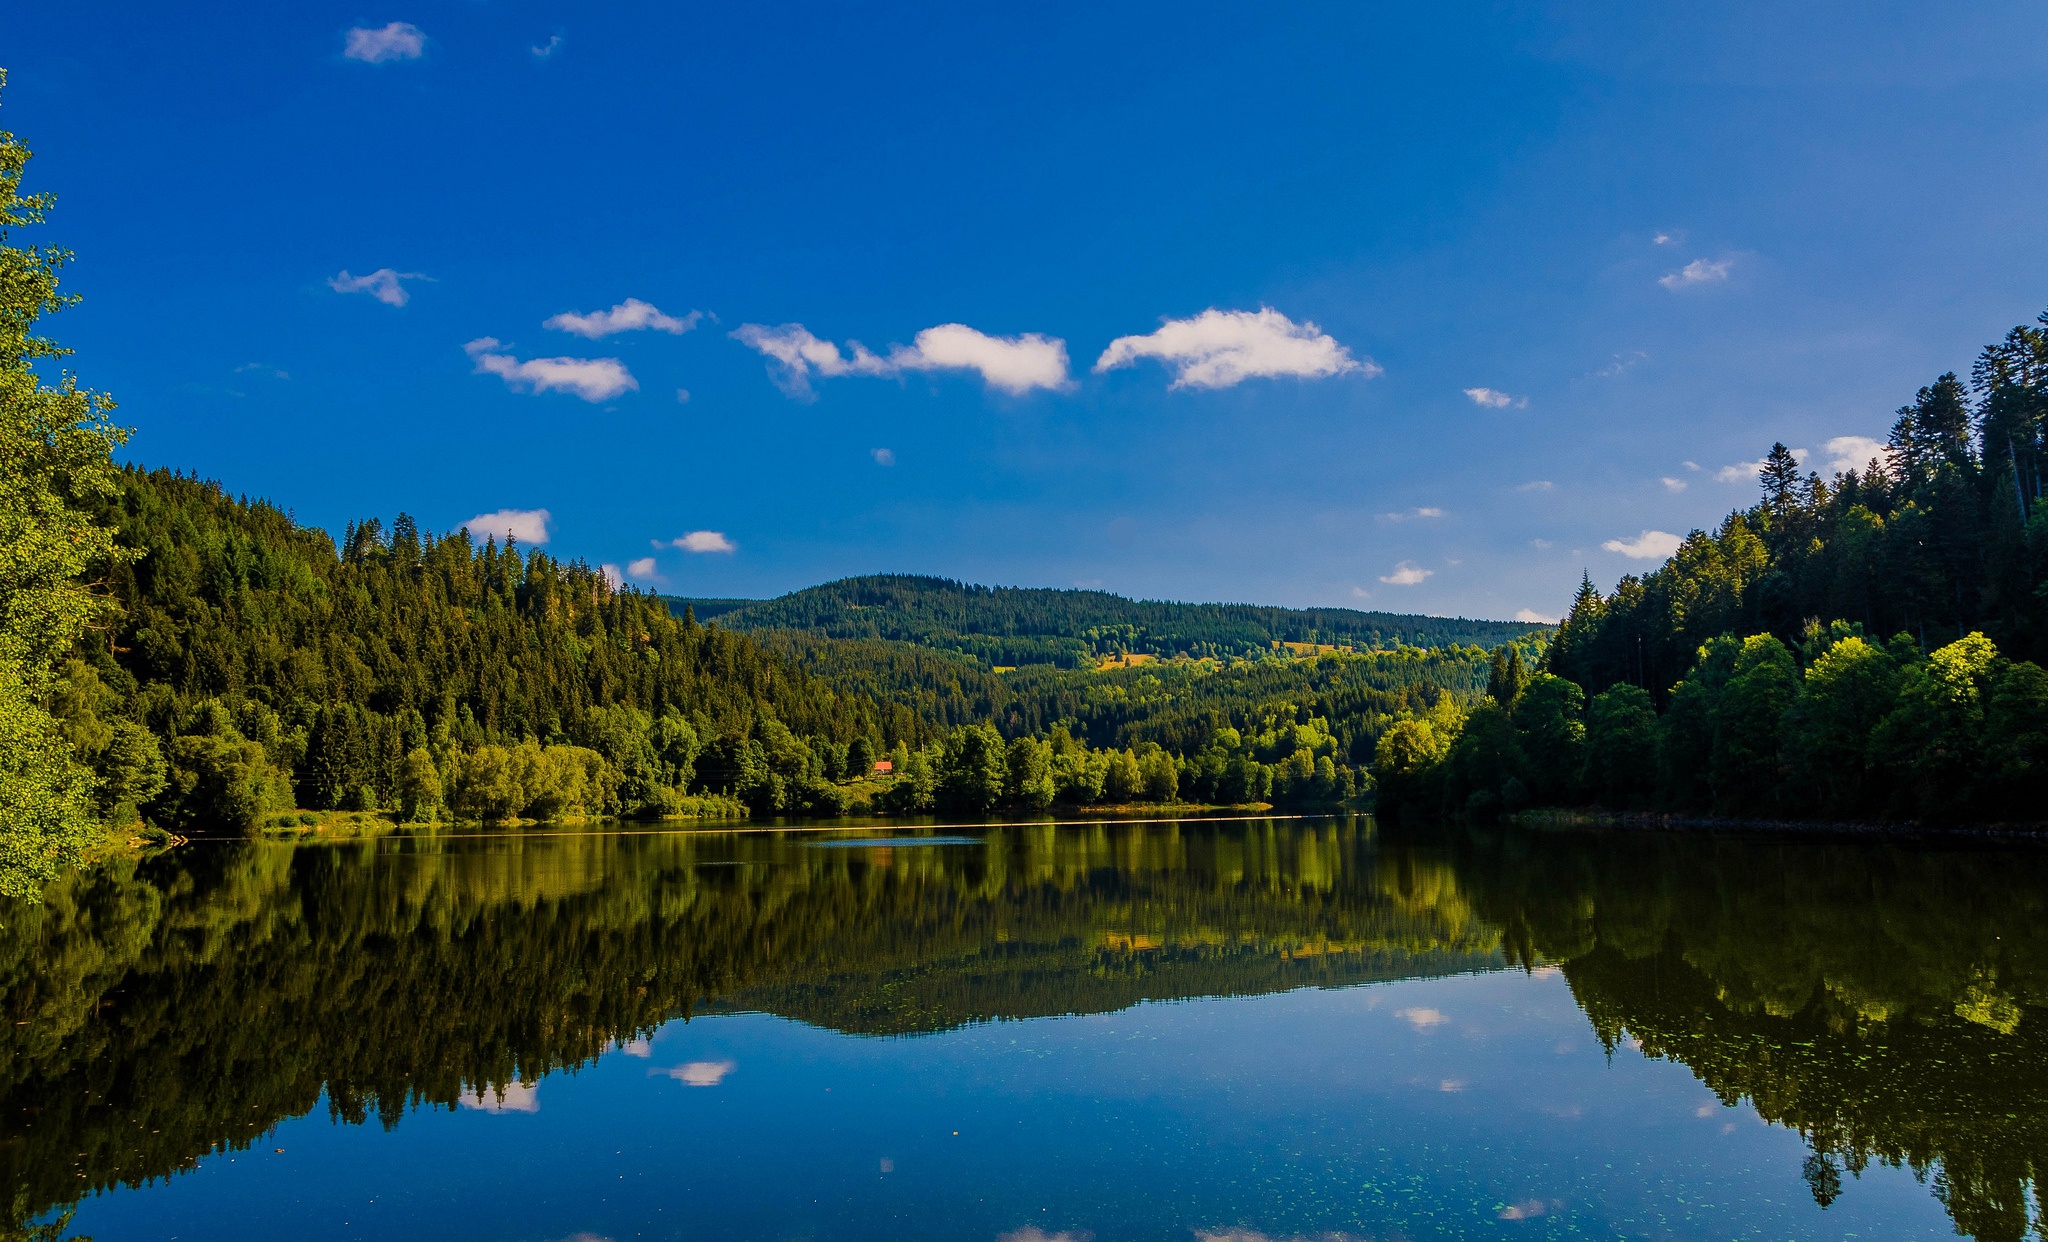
[[1229, 1031]]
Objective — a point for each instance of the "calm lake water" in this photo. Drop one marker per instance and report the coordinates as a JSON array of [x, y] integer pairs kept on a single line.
[[1238, 1031]]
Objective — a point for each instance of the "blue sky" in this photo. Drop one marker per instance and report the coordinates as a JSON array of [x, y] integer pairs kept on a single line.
[[1501, 294]]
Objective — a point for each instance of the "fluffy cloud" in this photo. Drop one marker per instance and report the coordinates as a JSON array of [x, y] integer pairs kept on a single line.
[[883, 457], [1847, 453], [525, 525], [383, 284], [630, 315], [1748, 471], [612, 575], [545, 50], [1426, 511], [1671, 484], [1422, 1019], [1697, 272], [1015, 364], [1651, 545], [1217, 349], [1407, 573], [642, 568], [593, 379], [1530, 614], [1495, 399], [397, 41], [704, 541]]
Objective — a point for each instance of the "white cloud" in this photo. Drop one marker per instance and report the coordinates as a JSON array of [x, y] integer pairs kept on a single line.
[[1651, 545], [383, 284], [704, 541], [1219, 348], [397, 41], [1359, 592], [263, 368], [612, 576], [545, 50], [682, 396], [1847, 453], [1422, 1018], [1690, 465], [1671, 484], [1407, 573], [1697, 272], [1748, 471], [1530, 614], [1661, 239], [698, 1073], [1015, 364], [1495, 399], [593, 379], [528, 526], [1426, 511], [1537, 485], [1539, 544], [883, 457], [512, 1097], [630, 315], [642, 568]]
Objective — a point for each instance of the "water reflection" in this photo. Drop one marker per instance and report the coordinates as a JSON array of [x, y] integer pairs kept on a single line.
[[1884, 1001]]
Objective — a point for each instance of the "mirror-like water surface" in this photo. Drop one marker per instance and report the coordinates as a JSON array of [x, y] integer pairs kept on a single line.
[[1214, 1030]]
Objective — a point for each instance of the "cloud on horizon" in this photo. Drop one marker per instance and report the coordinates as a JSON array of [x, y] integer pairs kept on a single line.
[[1530, 614], [1219, 349], [1014, 364], [1651, 545], [1407, 573], [593, 379], [384, 284], [1749, 471], [631, 315], [528, 526], [375, 46], [1846, 453]]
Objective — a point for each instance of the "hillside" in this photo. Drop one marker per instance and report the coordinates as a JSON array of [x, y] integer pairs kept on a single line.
[[1011, 626]]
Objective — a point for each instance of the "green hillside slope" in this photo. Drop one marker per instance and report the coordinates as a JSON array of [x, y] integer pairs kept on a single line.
[[1075, 628]]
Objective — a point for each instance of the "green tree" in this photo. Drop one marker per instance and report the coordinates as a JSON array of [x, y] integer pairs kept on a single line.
[[1621, 746], [1027, 780], [1747, 767], [1937, 732], [973, 770], [1549, 721], [56, 452], [1850, 688], [419, 787]]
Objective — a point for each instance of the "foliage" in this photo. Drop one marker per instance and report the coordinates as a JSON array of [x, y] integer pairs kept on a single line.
[[1015, 626], [56, 446]]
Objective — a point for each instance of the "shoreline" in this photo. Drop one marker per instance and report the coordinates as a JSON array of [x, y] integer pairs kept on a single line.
[[1660, 821]]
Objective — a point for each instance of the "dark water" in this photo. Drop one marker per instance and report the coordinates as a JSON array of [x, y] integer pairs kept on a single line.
[[1203, 1030]]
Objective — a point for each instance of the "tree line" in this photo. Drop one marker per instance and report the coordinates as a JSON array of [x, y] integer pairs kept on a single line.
[[1861, 647]]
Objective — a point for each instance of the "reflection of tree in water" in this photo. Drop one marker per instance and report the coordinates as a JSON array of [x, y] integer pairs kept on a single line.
[[1888, 1002], [156, 1012]]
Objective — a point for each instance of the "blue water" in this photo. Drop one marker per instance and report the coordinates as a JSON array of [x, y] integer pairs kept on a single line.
[[1470, 1098]]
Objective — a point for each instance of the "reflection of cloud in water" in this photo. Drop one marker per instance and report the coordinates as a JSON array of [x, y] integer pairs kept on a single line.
[[1422, 1019], [698, 1073], [511, 1097], [1241, 1234], [1528, 1209], [1032, 1233], [1451, 1084], [585, 1236], [1545, 972], [638, 1048]]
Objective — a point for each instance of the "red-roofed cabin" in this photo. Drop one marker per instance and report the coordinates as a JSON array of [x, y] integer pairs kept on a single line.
[[884, 765]]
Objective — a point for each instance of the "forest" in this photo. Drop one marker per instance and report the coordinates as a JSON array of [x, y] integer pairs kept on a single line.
[[1860, 648], [1016, 626]]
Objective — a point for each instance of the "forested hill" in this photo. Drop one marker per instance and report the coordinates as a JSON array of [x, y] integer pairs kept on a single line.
[[1074, 628]]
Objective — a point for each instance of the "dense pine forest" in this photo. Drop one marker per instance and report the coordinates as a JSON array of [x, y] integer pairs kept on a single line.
[[1861, 647], [1013, 626]]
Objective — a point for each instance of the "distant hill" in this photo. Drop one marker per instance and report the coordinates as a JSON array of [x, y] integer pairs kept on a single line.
[[1076, 628]]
